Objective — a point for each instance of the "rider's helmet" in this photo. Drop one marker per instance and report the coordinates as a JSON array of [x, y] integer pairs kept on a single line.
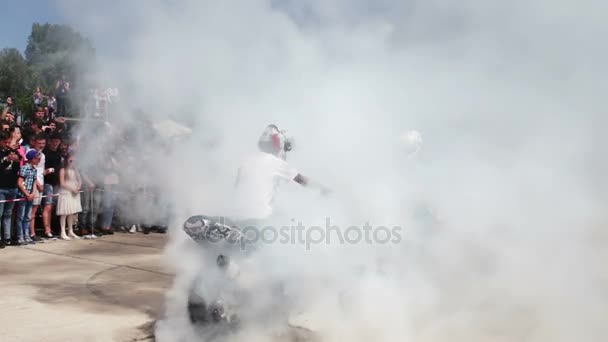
[[274, 141]]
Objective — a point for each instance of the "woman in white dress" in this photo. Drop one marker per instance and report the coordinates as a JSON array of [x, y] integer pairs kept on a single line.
[[68, 204]]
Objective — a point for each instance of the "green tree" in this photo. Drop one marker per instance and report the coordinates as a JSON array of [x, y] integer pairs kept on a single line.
[[54, 51], [57, 50], [14, 73]]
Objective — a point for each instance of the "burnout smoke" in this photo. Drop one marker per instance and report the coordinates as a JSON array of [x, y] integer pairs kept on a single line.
[[506, 96]]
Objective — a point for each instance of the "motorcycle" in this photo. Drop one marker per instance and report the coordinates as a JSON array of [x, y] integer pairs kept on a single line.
[[220, 298], [219, 295]]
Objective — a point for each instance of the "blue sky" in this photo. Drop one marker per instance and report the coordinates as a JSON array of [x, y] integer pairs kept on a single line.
[[18, 17]]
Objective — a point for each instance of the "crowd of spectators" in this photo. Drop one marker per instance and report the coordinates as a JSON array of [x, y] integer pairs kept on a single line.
[[60, 181]]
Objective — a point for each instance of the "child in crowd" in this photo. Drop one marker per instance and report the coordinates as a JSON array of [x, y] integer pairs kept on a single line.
[[68, 205], [26, 182]]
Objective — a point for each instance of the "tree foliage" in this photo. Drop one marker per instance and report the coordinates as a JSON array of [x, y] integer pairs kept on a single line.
[[52, 51], [14, 73], [57, 50]]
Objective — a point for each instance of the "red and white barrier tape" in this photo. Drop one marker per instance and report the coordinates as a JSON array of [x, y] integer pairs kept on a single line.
[[56, 195]]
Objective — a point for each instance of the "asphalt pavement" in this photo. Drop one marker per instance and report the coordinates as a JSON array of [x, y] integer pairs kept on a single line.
[[103, 290]]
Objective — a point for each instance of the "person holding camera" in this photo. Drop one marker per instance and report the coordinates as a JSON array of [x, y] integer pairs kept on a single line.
[[62, 89], [9, 172], [6, 111]]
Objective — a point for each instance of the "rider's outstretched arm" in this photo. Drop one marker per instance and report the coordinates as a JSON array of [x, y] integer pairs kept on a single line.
[[305, 181]]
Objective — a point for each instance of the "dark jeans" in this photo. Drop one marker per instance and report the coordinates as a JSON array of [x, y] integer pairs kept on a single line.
[[91, 208], [6, 210]]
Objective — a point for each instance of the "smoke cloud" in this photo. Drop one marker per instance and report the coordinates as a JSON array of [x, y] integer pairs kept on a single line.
[[508, 97]]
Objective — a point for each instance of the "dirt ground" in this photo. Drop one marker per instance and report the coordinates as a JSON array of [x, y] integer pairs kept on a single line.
[[108, 289]]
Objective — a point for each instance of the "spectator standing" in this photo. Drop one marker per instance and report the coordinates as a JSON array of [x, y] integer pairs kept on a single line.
[[68, 205], [38, 144], [6, 110], [8, 103], [9, 117], [30, 137], [64, 149], [110, 184], [36, 126], [16, 140], [26, 183], [60, 126], [51, 179], [40, 115], [51, 104], [126, 200], [9, 170], [62, 90], [38, 97], [101, 99], [51, 127], [91, 197]]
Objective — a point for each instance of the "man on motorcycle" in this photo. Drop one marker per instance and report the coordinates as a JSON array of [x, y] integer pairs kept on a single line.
[[256, 184]]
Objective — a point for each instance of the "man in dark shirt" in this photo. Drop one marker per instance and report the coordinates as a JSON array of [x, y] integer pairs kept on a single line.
[[9, 172], [53, 163]]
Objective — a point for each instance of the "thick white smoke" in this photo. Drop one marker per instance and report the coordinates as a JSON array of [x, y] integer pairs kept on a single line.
[[507, 96]]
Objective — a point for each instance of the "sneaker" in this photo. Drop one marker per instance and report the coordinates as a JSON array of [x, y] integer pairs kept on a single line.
[[133, 229], [30, 241], [36, 238], [7, 242], [20, 242]]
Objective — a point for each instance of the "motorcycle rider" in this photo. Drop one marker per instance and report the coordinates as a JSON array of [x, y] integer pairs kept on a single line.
[[259, 176], [256, 183]]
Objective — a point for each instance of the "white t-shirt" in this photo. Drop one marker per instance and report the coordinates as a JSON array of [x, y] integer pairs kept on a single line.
[[258, 179], [40, 167]]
